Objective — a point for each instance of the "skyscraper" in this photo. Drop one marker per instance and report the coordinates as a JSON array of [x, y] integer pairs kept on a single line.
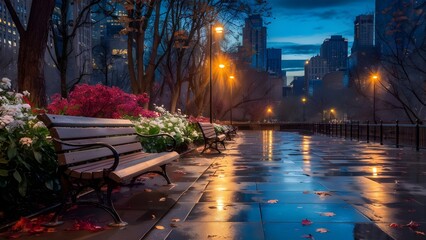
[[363, 59], [315, 69], [335, 51], [254, 41], [363, 32], [274, 61]]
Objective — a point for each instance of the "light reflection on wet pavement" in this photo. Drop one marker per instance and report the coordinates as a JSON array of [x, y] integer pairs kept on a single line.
[[266, 183], [272, 185]]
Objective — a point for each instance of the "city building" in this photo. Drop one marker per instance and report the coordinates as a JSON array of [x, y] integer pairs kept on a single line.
[[363, 59], [254, 42], [315, 69], [363, 32], [335, 51], [274, 62]]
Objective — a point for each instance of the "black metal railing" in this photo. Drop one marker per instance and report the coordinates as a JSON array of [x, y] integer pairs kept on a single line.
[[390, 133], [410, 135]]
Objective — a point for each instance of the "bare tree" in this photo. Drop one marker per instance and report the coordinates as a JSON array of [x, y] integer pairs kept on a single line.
[[403, 75]]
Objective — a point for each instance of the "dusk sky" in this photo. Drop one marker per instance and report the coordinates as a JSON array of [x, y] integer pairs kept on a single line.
[[300, 26]]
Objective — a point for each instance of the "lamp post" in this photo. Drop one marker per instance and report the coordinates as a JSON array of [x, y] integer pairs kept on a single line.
[[374, 77], [303, 106], [218, 30], [230, 111]]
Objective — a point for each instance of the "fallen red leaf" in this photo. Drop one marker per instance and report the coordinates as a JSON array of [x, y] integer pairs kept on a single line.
[[85, 225], [306, 222], [420, 233], [412, 225], [394, 225]]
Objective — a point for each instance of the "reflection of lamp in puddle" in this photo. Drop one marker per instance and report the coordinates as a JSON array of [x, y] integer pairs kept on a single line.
[[374, 169], [220, 206]]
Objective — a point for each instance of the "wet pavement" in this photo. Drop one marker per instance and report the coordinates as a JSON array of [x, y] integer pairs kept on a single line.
[[274, 185]]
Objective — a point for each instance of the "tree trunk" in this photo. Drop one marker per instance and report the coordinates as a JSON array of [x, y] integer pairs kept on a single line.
[[32, 47]]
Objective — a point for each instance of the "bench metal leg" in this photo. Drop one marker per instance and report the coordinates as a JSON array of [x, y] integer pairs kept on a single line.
[[163, 173], [111, 210]]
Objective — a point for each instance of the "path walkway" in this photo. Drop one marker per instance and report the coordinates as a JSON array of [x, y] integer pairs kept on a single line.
[[268, 183], [273, 185]]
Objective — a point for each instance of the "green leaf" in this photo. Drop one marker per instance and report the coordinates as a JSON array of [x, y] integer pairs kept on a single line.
[[37, 156], [23, 188], [11, 152], [17, 176]]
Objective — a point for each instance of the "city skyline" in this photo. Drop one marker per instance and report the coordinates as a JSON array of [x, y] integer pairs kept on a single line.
[[300, 27]]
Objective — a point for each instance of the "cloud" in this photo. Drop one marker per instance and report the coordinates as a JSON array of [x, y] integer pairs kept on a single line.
[[289, 48]]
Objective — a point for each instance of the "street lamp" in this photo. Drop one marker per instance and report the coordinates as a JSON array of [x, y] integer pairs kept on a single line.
[[375, 77], [269, 112], [303, 106], [231, 82], [217, 29], [331, 112]]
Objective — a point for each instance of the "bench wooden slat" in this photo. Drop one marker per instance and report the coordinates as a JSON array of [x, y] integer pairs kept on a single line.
[[80, 133], [132, 169], [111, 141], [85, 155], [74, 121]]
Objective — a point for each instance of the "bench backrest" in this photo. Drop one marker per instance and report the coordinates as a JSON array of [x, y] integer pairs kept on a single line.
[[207, 129], [120, 133]]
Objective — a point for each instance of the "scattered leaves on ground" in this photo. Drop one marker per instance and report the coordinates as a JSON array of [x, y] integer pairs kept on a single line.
[[306, 222], [147, 190], [175, 220], [273, 201], [159, 227], [153, 216], [420, 233], [163, 199], [85, 225]]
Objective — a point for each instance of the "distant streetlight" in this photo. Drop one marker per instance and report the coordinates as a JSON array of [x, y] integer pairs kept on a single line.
[[303, 106], [231, 83], [269, 113], [217, 29], [331, 113], [374, 78], [221, 66]]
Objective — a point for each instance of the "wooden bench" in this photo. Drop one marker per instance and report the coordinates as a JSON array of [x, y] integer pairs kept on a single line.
[[97, 152], [211, 138]]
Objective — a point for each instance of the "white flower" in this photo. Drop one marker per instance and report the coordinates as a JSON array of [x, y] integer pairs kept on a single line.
[[19, 96], [6, 82], [26, 106], [26, 93], [26, 141], [39, 124]]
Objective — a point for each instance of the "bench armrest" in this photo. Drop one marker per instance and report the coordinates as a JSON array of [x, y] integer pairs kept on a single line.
[[94, 144], [169, 147]]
